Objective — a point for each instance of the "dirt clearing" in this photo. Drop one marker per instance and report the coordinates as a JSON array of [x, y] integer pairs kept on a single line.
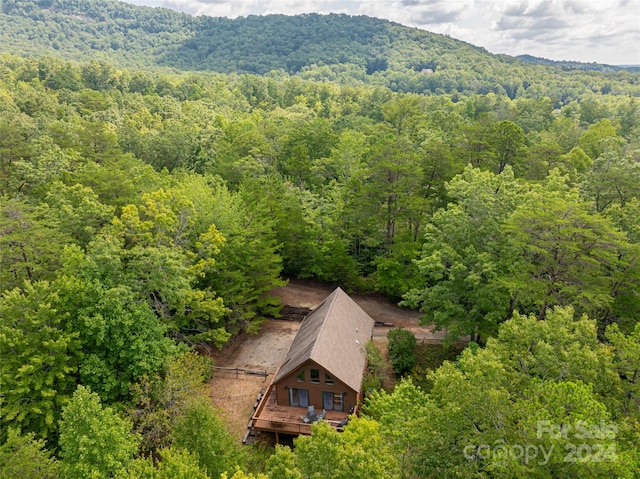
[[234, 394]]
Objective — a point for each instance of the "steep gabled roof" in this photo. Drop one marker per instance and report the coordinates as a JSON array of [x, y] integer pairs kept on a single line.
[[334, 336]]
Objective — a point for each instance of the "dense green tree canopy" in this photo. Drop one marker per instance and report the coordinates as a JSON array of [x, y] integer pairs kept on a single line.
[[147, 213]]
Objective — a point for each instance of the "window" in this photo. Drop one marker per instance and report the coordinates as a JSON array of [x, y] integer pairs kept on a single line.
[[300, 376], [333, 401], [298, 397], [328, 380], [315, 376]]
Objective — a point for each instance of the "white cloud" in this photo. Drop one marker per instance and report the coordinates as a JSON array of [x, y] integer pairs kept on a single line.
[[582, 30]]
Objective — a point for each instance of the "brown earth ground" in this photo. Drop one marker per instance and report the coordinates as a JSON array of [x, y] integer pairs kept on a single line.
[[234, 393]]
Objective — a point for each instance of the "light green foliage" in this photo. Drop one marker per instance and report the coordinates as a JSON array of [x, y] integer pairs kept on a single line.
[[25, 457], [627, 218], [238, 474], [200, 430], [95, 442], [596, 138], [560, 348], [578, 159], [303, 143], [16, 131], [172, 463], [247, 266], [487, 255], [161, 256], [119, 181], [611, 180], [47, 163], [77, 210], [40, 357], [532, 379], [283, 464], [409, 421], [122, 340], [509, 394], [330, 454]]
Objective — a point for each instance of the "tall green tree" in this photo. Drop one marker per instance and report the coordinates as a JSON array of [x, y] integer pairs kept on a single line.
[[94, 440], [201, 431], [570, 255], [31, 243], [160, 255], [122, 340], [464, 253], [159, 400], [40, 359], [247, 266], [507, 140], [24, 456]]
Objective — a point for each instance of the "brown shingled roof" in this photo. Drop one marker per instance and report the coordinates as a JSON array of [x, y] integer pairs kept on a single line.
[[334, 336]]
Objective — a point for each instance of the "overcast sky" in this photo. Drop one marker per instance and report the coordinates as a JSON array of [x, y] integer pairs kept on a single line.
[[603, 31]]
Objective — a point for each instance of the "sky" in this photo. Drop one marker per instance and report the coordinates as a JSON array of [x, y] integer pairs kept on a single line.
[[602, 31]]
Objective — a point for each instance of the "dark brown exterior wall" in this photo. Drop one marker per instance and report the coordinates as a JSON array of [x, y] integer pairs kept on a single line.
[[315, 390]]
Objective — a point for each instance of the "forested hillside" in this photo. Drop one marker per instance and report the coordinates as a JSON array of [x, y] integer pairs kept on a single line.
[[340, 48], [145, 214]]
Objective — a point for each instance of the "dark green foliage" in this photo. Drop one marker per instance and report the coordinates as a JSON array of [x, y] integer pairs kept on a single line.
[[329, 47], [430, 357], [159, 400], [402, 350], [376, 369], [31, 243], [146, 208]]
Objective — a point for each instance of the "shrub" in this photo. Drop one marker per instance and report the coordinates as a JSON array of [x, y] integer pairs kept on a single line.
[[402, 350]]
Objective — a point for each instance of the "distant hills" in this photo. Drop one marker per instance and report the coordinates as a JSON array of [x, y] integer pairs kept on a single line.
[[332, 47], [571, 65], [133, 35]]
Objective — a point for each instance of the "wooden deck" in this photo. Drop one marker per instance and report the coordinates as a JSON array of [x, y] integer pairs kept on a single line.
[[269, 416]]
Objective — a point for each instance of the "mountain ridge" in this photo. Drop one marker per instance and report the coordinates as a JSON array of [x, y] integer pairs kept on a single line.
[[334, 47]]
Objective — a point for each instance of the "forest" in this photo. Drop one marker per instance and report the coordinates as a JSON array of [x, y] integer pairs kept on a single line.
[[146, 213]]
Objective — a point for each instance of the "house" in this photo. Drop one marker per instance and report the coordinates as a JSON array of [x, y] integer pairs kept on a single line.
[[322, 370]]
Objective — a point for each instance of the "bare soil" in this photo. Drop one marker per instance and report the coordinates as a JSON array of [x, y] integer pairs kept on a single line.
[[235, 393]]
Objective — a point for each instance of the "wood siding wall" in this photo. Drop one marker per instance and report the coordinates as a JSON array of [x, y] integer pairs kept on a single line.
[[315, 390]]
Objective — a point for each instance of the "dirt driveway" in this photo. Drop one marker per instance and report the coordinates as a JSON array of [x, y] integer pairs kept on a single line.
[[308, 294], [235, 393]]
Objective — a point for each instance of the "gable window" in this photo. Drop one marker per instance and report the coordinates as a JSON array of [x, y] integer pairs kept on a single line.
[[315, 376], [328, 380], [300, 376], [333, 401], [298, 397]]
